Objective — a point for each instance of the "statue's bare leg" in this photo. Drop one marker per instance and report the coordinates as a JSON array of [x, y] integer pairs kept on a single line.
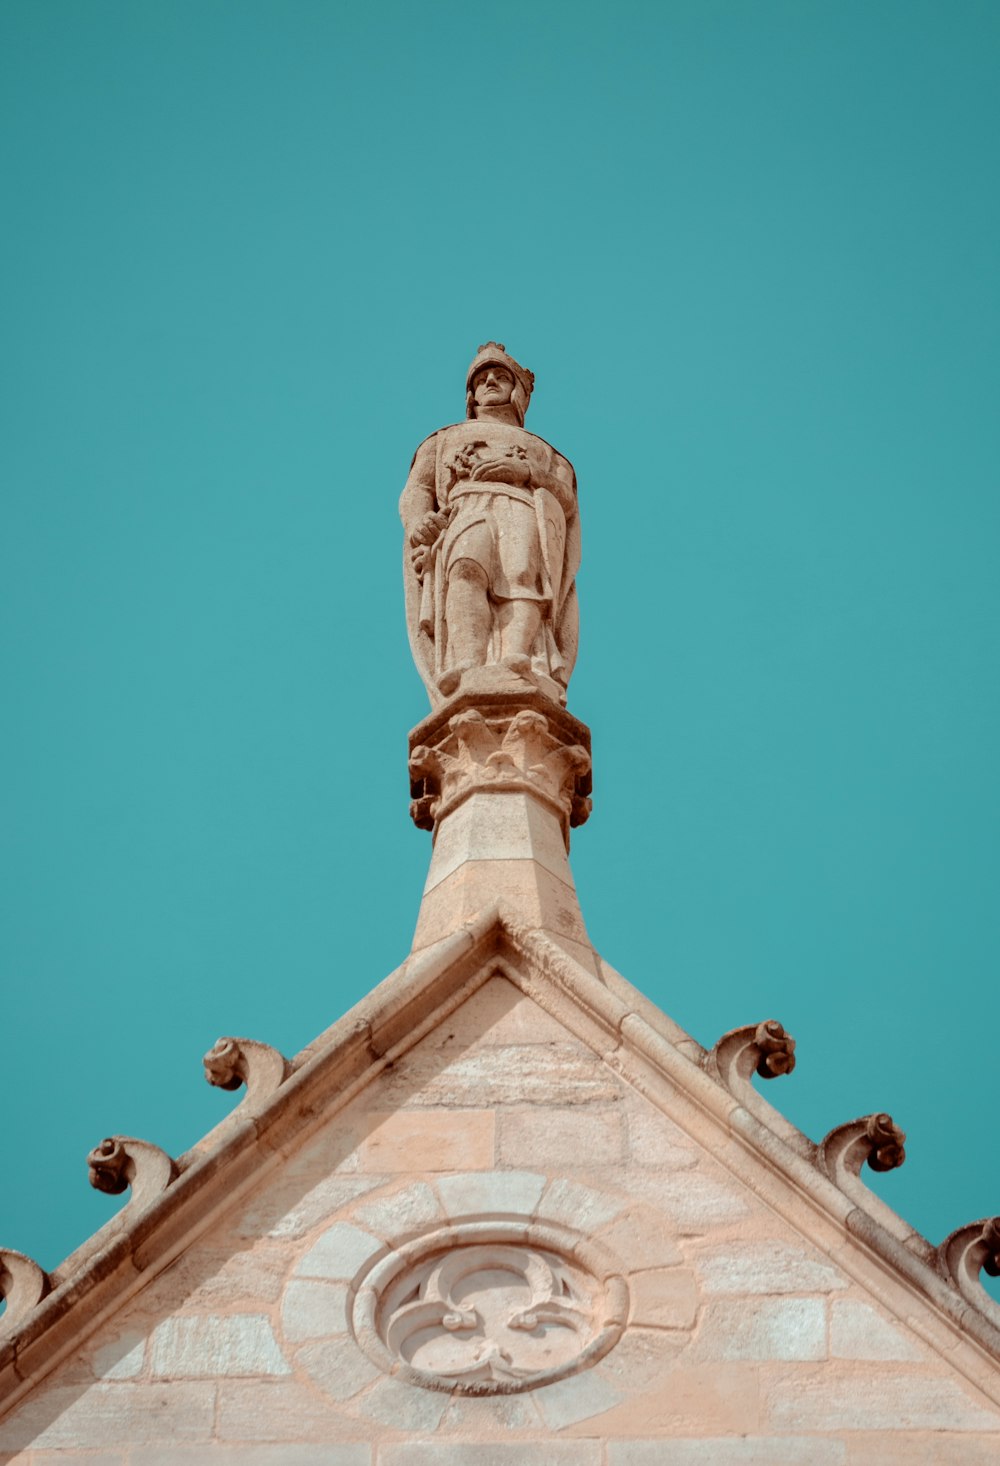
[[520, 623], [467, 613]]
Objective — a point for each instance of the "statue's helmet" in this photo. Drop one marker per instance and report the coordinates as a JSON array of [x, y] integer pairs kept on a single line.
[[494, 353]]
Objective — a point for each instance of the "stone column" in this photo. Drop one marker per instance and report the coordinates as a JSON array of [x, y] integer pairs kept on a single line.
[[500, 780]]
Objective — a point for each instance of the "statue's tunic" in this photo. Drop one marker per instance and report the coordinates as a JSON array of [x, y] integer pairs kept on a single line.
[[510, 499]]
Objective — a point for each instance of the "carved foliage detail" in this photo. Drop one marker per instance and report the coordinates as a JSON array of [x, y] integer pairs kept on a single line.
[[235, 1061], [23, 1284], [876, 1139], [523, 752]]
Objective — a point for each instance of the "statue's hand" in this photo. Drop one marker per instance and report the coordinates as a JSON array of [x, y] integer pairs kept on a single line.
[[429, 527]]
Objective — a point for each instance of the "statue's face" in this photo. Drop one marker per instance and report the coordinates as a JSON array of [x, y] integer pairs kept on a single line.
[[492, 386]]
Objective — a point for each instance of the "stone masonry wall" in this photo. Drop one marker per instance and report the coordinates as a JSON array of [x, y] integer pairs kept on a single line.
[[738, 1341]]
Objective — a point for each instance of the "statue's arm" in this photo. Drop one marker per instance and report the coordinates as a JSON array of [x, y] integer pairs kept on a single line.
[[419, 497]]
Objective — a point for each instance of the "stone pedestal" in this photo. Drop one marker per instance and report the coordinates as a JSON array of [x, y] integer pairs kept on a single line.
[[500, 781]]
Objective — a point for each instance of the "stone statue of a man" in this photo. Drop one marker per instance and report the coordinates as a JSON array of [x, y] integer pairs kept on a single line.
[[492, 546]]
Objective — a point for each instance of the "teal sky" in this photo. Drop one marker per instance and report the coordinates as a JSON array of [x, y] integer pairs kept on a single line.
[[750, 252]]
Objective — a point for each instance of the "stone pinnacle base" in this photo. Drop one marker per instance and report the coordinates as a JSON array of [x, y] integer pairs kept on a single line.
[[500, 781]]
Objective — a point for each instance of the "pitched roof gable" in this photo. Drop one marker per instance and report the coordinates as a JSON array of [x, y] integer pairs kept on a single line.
[[708, 1094]]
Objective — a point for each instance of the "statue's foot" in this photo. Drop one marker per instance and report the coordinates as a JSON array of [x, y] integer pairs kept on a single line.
[[519, 665], [450, 680]]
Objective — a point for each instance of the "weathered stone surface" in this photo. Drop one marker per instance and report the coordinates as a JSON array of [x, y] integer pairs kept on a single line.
[[700, 1400], [759, 1451], [313, 1309], [497, 1014], [557, 1074], [122, 1357], [492, 1193], [655, 1141], [339, 1252], [580, 1138], [235, 1271], [580, 1206], [458, 1140], [404, 1407], [900, 1448], [289, 1454], [767, 1328], [642, 1357], [281, 1410], [767, 1267], [406, 1210], [639, 1238], [873, 1399], [338, 1366], [107, 1412], [230, 1344], [483, 1417], [858, 1331], [492, 1453], [695, 1201], [293, 1206], [577, 1398], [665, 1298]]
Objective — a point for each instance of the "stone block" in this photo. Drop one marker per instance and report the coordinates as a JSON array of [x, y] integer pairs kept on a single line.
[[493, 827], [491, 1193], [749, 1451], [339, 1253], [873, 1399], [767, 1267], [858, 1331], [665, 1298], [230, 1344], [695, 1201], [402, 1213], [558, 1074], [281, 1411], [900, 1448], [498, 1013], [293, 1207], [93, 1458], [70, 1419], [458, 1140], [702, 1400], [578, 1397], [638, 1239], [313, 1309], [352, 1454], [580, 1206], [642, 1357], [404, 1407], [763, 1328], [582, 1138], [655, 1141], [338, 1367], [492, 1453], [121, 1357], [488, 1416]]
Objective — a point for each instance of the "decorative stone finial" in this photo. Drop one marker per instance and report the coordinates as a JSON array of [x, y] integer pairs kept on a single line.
[[235, 1061], [492, 546], [23, 1285], [121, 1161]]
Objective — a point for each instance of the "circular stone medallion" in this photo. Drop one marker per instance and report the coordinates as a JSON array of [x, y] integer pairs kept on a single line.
[[489, 1309]]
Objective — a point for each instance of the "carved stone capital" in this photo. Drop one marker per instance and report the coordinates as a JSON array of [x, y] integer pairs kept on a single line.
[[120, 1161], [505, 743], [231, 1062], [874, 1138], [23, 1285]]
